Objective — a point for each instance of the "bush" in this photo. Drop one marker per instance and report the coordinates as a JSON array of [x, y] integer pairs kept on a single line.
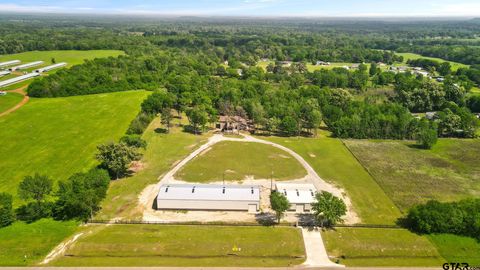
[[461, 218], [6, 211], [140, 123], [34, 211], [427, 134], [134, 141]]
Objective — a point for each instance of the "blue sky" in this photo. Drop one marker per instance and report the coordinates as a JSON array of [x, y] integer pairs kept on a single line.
[[294, 8]]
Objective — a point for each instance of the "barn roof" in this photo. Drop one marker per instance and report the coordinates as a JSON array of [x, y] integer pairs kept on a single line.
[[297, 193], [205, 192]]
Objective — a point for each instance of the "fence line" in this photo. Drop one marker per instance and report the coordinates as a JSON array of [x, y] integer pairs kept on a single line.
[[240, 224]]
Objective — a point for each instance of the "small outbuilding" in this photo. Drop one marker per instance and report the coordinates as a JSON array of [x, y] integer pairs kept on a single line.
[[230, 124], [209, 197], [300, 196]]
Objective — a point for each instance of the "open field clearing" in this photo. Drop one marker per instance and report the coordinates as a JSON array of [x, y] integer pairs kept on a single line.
[[58, 136], [413, 56], [72, 57], [160, 245], [380, 247], [162, 152], [410, 175], [335, 164], [27, 244], [9, 100], [240, 160], [456, 248]]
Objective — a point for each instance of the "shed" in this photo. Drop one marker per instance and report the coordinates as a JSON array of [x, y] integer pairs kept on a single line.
[[300, 196], [209, 197]]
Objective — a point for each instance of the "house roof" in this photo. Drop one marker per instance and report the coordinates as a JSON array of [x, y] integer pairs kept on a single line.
[[238, 119], [297, 193], [204, 192]]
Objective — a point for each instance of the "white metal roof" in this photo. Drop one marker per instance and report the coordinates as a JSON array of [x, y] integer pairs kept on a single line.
[[209, 192], [18, 79], [48, 68], [297, 193], [27, 65], [9, 63], [4, 72]]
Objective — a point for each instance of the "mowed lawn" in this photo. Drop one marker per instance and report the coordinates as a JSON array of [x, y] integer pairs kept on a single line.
[[182, 246], [410, 175], [335, 164], [414, 56], [27, 244], [9, 100], [58, 136], [162, 152], [380, 247], [241, 160]]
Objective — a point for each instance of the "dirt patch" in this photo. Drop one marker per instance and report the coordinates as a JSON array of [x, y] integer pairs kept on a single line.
[[136, 166], [311, 155]]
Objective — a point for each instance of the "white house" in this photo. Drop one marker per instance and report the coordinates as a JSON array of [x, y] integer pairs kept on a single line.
[[300, 196], [209, 197]]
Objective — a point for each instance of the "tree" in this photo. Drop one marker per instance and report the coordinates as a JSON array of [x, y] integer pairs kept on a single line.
[[328, 209], [373, 69], [35, 187], [289, 126], [427, 134], [53, 60], [116, 157], [134, 141], [198, 117], [6, 210], [80, 196], [445, 68], [166, 116], [279, 204]]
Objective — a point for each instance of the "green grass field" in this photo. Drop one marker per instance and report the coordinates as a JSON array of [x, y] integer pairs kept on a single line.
[[410, 175], [335, 164], [9, 100], [72, 57], [240, 160], [380, 247], [162, 152], [27, 244], [413, 56], [182, 246], [58, 136], [457, 248]]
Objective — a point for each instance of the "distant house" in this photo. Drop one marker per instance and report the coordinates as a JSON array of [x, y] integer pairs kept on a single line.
[[285, 63], [230, 124], [322, 63], [355, 66], [430, 115], [300, 196]]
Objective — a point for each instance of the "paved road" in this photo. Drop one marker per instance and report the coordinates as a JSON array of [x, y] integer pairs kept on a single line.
[[315, 250]]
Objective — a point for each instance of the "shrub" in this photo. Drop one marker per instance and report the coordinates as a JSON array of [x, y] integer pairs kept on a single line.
[[134, 141], [6, 211]]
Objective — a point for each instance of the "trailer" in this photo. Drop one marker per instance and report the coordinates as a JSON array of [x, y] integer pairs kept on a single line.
[[4, 72], [9, 63], [18, 79], [27, 65], [51, 67]]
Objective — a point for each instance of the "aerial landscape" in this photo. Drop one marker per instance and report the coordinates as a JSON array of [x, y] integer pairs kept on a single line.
[[246, 133]]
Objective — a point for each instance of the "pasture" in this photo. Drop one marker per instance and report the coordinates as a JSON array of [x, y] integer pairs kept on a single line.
[[27, 244], [335, 164], [409, 175], [9, 100], [456, 248], [58, 136], [413, 56], [241, 160], [380, 247], [162, 152], [183, 246]]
